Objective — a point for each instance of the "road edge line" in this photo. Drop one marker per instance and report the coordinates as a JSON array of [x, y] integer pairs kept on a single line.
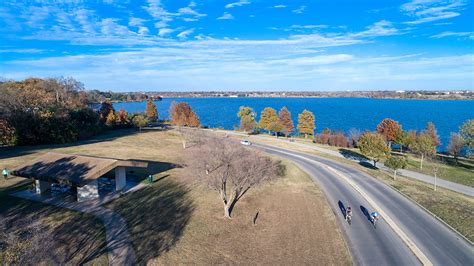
[[434, 215], [411, 245], [408, 242]]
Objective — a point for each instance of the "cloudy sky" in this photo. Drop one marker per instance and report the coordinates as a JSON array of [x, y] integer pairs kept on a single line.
[[241, 44]]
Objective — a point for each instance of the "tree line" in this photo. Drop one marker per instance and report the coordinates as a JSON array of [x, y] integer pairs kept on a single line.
[[56, 110], [277, 123]]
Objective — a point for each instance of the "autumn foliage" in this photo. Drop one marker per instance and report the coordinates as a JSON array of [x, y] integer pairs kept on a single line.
[[151, 112], [268, 118], [181, 114], [286, 122], [306, 123], [389, 129]]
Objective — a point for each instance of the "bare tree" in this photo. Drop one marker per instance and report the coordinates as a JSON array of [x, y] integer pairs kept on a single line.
[[354, 136], [456, 144], [191, 136], [436, 169], [230, 169]]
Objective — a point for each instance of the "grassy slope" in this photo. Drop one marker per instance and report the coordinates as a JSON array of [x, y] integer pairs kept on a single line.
[[176, 224], [170, 222], [454, 208]]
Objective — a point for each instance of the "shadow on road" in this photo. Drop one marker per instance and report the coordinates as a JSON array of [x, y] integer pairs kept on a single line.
[[342, 208], [365, 212]]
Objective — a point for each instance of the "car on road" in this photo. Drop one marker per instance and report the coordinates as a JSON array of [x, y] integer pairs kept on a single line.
[[245, 142]]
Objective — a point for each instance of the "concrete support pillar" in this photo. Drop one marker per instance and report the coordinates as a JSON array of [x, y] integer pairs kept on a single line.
[[88, 192], [42, 186], [120, 178]]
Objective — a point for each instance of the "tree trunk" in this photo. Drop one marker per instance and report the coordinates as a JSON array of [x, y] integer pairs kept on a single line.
[[226, 210], [421, 161], [375, 163], [184, 143], [394, 174], [401, 148]]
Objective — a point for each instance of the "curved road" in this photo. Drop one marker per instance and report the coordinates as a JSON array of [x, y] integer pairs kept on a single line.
[[380, 245]]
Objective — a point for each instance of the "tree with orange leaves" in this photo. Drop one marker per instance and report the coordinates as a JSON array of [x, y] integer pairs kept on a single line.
[[389, 129], [182, 114]]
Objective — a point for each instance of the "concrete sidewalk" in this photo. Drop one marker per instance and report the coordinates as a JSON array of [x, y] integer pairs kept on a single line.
[[119, 246], [463, 189]]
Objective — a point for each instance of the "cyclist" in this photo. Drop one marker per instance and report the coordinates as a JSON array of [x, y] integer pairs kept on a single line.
[[348, 213], [374, 216]]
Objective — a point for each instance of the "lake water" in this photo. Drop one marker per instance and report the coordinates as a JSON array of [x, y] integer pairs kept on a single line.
[[335, 113]]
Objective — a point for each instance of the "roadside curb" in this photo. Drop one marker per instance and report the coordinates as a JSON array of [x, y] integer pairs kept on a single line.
[[434, 215], [411, 245]]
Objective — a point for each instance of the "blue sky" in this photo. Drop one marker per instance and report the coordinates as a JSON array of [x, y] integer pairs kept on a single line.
[[241, 44]]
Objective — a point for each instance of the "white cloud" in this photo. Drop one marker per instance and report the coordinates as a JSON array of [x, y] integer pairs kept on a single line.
[[308, 26], [135, 22], [226, 16], [431, 10], [279, 6], [22, 51], [190, 11], [196, 68], [143, 30], [467, 34], [239, 3], [299, 10], [380, 28], [164, 31], [184, 34]]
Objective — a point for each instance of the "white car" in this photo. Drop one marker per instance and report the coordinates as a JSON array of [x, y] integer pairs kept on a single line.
[[245, 142]]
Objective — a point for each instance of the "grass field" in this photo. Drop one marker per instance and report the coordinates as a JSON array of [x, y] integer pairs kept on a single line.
[[454, 208], [177, 220]]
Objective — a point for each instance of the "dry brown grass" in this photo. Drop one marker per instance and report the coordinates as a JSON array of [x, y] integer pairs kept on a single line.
[[294, 226], [178, 221]]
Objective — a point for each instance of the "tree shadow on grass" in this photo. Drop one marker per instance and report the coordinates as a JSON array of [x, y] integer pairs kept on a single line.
[[154, 168], [76, 237], [352, 155], [156, 217]]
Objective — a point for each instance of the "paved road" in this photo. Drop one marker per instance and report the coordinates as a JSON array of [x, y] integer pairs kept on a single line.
[[467, 190], [381, 246]]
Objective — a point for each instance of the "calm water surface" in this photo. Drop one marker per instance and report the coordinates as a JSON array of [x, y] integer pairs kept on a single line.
[[334, 113]]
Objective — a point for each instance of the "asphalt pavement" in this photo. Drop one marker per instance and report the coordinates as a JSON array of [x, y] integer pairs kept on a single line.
[[380, 245]]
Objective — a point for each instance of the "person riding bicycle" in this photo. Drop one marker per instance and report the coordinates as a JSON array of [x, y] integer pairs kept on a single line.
[[348, 212], [374, 216]]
